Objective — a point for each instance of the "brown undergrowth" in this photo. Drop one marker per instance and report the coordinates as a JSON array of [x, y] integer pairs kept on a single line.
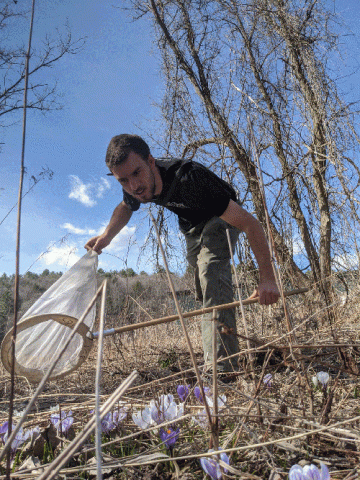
[[266, 428]]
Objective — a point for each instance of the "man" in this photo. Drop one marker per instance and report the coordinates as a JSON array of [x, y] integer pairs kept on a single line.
[[206, 206]]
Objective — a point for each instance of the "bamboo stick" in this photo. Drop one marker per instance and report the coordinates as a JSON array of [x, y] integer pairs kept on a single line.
[[52, 469], [181, 318], [193, 313], [215, 420], [98, 430], [243, 316]]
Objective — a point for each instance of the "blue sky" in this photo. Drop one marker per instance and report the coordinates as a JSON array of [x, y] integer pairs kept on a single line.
[[110, 87], [107, 88]]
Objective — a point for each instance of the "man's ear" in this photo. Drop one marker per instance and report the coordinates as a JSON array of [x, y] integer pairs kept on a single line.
[[151, 160]]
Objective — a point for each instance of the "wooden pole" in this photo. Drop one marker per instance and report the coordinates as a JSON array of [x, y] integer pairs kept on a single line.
[[193, 313]]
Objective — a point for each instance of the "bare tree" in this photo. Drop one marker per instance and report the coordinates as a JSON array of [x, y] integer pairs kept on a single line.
[[228, 63], [41, 95]]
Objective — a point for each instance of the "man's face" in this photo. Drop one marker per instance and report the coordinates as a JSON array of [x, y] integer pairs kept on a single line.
[[138, 178]]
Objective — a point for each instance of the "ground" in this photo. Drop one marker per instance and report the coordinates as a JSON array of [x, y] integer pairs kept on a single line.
[[267, 427]]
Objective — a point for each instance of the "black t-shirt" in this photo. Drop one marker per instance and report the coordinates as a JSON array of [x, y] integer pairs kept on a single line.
[[191, 191]]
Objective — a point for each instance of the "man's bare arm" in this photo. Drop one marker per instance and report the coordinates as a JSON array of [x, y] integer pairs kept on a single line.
[[118, 220], [238, 217]]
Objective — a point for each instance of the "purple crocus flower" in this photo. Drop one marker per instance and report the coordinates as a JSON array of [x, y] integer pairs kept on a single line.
[[267, 380], [197, 393], [169, 436], [111, 420], [119, 415], [313, 473], [107, 424], [296, 473], [211, 466], [309, 472], [4, 428], [20, 438], [183, 392], [66, 420]]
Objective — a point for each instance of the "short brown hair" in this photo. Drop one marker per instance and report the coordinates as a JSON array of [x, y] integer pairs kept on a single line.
[[120, 147]]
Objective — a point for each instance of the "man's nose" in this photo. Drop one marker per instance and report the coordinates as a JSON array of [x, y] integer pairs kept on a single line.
[[134, 184]]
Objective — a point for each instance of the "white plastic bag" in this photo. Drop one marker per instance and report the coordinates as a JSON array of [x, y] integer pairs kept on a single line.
[[45, 327]]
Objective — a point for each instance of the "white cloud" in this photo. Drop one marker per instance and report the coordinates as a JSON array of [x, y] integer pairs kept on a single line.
[[118, 244], [81, 191], [102, 187], [78, 231], [86, 193], [121, 241], [64, 255]]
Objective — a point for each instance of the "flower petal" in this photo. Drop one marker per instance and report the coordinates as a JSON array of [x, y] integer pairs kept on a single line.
[[143, 418], [183, 392], [210, 467], [311, 472], [169, 436], [324, 472], [296, 473], [323, 378]]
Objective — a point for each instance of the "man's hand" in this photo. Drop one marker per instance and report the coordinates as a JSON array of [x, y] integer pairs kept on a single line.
[[120, 217], [98, 243], [266, 292]]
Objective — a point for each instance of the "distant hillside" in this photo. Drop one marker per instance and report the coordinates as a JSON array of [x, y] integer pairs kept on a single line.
[[130, 297]]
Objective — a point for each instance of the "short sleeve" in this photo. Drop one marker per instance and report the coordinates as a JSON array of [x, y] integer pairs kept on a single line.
[[207, 191]]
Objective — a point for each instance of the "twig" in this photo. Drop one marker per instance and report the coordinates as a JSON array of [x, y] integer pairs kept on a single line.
[[98, 384], [181, 318], [243, 317], [215, 422], [53, 469], [17, 262]]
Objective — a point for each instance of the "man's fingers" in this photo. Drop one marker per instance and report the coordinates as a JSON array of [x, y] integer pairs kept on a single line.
[[97, 248], [96, 244], [255, 294], [268, 298]]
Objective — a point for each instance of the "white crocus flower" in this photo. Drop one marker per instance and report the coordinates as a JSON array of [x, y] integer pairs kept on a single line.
[[143, 418], [323, 378], [221, 401], [165, 409], [201, 419]]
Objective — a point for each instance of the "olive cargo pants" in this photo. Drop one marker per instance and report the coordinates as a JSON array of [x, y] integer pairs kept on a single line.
[[208, 252]]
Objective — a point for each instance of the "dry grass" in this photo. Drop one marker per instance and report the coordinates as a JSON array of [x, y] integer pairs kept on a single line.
[[268, 429]]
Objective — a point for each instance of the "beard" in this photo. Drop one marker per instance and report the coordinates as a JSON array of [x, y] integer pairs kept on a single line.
[[151, 188]]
